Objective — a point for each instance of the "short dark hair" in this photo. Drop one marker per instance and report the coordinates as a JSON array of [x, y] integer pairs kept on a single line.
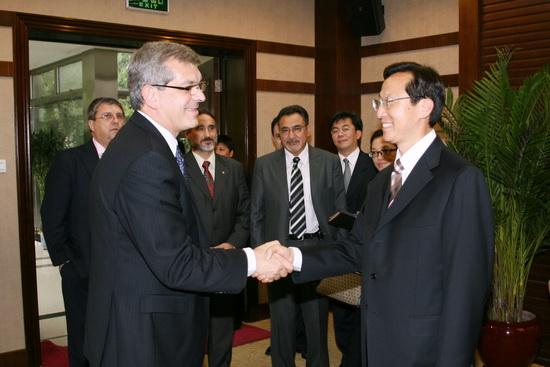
[[426, 83], [291, 110], [274, 122], [93, 106], [355, 119], [225, 139], [378, 133], [206, 112]]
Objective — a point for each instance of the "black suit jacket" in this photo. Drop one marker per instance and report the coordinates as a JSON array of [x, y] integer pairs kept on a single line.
[[226, 217], [149, 261], [64, 209], [426, 263], [363, 173], [269, 210]]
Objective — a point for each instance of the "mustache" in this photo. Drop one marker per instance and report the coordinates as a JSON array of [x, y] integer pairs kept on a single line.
[[207, 140]]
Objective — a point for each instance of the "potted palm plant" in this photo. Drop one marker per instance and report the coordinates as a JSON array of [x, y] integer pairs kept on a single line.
[[506, 133]]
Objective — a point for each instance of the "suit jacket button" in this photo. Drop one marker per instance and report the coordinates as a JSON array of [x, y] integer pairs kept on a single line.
[[373, 276]]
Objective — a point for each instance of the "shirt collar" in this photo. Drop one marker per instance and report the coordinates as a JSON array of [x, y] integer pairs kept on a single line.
[[167, 135], [352, 157], [304, 156], [98, 147], [413, 155], [211, 159]]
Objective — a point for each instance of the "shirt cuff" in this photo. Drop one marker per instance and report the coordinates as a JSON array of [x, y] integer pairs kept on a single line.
[[297, 255], [251, 261]]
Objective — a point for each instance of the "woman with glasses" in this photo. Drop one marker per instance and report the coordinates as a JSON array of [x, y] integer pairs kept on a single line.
[[381, 151]]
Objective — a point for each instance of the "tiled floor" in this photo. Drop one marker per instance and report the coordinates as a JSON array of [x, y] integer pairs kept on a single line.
[[253, 354]]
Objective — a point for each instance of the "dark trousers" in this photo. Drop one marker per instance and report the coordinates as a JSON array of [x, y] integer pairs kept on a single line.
[[284, 298], [347, 332], [75, 296], [223, 308]]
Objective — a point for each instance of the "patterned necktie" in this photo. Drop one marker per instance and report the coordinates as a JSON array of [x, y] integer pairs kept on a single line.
[[208, 177], [297, 205], [181, 162], [396, 181], [347, 174]]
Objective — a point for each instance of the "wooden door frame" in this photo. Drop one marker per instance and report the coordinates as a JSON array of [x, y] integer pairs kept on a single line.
[[22, 25]]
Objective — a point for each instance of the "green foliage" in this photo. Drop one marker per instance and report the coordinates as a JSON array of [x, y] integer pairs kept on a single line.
[[506, 133], [45, 143]]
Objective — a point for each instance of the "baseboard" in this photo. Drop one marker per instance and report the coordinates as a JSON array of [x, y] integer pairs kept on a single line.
[[15, 358]]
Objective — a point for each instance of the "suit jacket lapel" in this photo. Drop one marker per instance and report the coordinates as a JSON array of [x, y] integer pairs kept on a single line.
[[280, 187], [195, 173], [221, 179], [89, 157], [418, 178], [314, 174]]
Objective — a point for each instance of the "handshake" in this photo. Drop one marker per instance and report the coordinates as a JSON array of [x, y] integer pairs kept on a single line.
[[273, 261]]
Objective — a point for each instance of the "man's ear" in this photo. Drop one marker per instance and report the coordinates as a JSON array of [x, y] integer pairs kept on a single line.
[[150, 96], [91, 125], [426, 107]]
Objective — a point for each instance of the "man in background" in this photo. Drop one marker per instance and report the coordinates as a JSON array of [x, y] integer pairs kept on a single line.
[[218, 188], [294, 191], [275, 137], [346, 129], [65, 216]]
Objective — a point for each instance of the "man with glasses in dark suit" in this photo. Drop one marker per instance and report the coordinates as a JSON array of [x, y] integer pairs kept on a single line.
[[65, 216]]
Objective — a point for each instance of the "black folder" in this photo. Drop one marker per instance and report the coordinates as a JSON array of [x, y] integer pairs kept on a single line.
[[342, 219]]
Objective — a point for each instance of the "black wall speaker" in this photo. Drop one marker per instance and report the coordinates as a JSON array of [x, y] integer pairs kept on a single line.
[[366, 17]]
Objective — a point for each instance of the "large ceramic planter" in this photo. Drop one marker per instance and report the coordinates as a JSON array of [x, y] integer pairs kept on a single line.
[[505, 344]]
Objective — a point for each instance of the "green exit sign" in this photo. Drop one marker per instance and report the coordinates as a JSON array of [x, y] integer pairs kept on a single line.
[[151, 5]]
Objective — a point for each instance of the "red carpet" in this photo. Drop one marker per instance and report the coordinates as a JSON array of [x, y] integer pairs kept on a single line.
[[248, 334], [56, 356]]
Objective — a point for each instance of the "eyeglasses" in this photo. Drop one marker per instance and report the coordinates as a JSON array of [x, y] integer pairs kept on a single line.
[[344, 129], [190, 88], [284, 131], [384, 102], [384, 152], [109, 116]]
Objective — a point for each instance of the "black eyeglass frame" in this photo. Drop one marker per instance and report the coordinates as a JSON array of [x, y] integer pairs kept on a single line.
[[385, 152], [202, 85]]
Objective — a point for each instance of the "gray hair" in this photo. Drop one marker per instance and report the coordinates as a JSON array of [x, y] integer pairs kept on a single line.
[[147, 66]]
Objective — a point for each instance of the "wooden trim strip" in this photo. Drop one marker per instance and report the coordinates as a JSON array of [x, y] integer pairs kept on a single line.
[[6, 68], [7, 18], [284, 86], [15, 358], [450, 80], [284, 49], [411, 44]]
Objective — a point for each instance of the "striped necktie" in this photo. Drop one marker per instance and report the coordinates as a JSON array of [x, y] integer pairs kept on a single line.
[[396, 181], [297, 205]]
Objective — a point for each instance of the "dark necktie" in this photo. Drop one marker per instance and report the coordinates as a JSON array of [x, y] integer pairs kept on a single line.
[[396, 181], [347, 174], [297, 205], [181, 162], [208, 177]]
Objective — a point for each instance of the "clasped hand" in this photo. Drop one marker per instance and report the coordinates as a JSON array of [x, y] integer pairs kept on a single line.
[[273, 261]]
